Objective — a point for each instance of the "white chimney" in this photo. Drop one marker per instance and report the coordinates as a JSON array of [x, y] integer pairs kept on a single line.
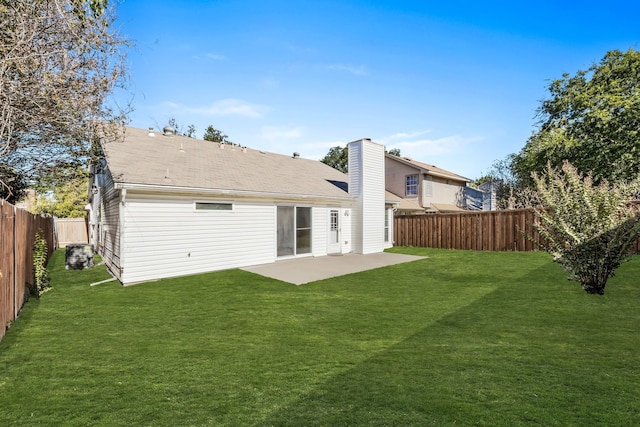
[[366, 184]]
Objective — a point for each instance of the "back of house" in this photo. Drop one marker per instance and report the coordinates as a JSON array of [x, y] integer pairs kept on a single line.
[[165, 205]]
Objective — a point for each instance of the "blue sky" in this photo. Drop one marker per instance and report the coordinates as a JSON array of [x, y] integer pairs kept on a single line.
[[455, 84]]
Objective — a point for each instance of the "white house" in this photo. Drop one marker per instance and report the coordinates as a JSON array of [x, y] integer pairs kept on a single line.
[[164, 205]]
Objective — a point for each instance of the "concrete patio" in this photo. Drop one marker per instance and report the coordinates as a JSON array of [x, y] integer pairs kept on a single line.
[[299, 271]]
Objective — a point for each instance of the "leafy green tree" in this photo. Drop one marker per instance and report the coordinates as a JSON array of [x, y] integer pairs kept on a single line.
[[60, 61], [587, 227], [591, 119], [510, 193], [337, 158], [214, 135], [63, 193], [179, 129], [172, 122]]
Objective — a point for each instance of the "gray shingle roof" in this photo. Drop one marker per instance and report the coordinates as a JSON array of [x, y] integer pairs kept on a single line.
[[179, 161]]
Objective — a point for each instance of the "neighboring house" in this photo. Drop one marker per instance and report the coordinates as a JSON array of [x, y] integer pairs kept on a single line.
[[489, 191], [164, 205], [424, 188]]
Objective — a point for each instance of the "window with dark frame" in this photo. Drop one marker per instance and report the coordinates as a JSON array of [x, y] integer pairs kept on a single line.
[[411, 186], [209, 206]]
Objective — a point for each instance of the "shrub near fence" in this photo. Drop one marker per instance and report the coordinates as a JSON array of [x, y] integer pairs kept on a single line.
[[18, 229], [482, 231]]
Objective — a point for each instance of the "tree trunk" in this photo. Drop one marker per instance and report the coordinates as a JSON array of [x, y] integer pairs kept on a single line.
[[594, 288]]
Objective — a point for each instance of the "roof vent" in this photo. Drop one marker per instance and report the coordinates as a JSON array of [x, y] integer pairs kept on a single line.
[[296, 155], [151, 133], [168, 131]]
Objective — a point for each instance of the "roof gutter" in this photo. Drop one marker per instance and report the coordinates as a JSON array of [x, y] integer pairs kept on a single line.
[[441, 175], [224, 192]]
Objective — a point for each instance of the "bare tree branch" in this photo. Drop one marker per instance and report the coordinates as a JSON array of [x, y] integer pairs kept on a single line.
[[60, 62]]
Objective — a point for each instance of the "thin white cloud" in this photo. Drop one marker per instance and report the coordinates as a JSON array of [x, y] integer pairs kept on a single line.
[[422, 148], [406, 135], [234, 107], [223, 107], [358, 70], [282, 132]]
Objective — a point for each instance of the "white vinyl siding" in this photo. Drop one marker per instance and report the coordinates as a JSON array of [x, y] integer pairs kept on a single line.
[[373, 198], [355, 190], [320, 231], [106, 230], [166, 237], [346, 235], [366, 175]]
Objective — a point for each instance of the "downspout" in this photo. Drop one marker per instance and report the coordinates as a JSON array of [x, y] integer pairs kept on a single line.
[[123, 201]]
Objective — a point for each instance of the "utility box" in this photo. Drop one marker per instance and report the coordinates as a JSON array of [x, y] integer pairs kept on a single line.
[[79, 257]]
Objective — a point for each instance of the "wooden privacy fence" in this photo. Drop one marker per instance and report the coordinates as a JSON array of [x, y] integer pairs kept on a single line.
[[18, 229], [71, 230], [482, 231]]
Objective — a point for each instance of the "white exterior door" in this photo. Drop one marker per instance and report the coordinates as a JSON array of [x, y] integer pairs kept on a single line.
[[334, 245]]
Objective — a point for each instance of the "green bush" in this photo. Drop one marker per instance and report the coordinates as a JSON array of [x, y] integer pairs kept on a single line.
[[587, 228], [42, 281]]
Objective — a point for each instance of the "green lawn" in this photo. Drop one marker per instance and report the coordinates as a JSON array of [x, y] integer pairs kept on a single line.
[[461, 338]]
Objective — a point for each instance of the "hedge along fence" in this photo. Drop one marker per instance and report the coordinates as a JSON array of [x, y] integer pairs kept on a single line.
[[478, 230], [18, 230]]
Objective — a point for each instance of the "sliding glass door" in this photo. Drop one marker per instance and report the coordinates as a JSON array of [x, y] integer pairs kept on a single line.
[[294, 230]]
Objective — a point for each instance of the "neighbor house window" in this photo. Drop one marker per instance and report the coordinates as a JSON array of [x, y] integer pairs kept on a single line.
[[208, 206], [386, 225], [411, 185]]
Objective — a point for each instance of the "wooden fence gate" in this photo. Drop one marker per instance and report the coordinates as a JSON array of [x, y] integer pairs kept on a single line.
[[71, 230]]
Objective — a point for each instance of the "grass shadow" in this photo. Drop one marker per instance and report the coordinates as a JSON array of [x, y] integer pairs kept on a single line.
[[524, 353]]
